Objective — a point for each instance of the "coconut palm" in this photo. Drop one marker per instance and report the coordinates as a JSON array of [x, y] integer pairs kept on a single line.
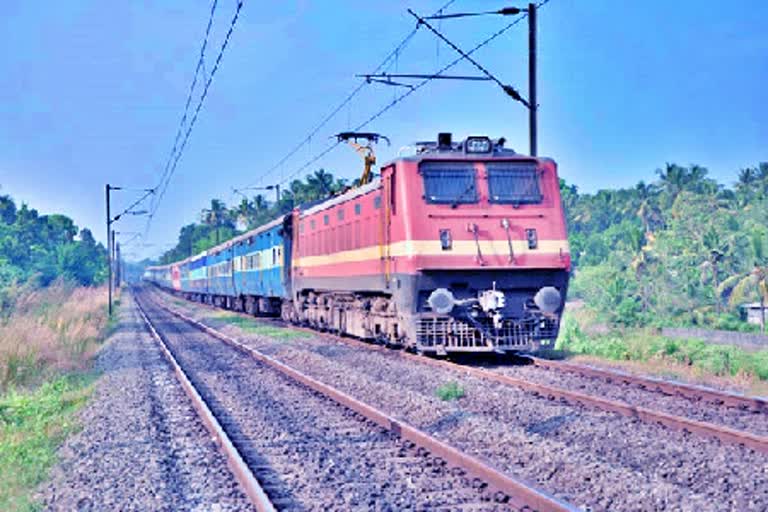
[[217, 216], [754, 282]]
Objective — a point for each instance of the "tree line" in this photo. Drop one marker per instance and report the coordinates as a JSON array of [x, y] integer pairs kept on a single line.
[[682, 250], [38, 249]]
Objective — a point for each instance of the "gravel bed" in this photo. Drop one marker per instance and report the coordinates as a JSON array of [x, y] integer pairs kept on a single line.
[[701, 410], [593, 459], [142, 446], [308, 452]]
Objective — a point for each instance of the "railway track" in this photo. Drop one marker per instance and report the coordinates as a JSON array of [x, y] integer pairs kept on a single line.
[[693, 392], [294, 442], [721, 431]]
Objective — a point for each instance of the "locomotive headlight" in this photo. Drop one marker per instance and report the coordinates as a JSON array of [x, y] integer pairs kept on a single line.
[[446, 241], [533, 238], [478, 145], [548, 299], [441, 301]]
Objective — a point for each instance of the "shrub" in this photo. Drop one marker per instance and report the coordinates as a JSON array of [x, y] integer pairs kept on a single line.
[[450, 391]]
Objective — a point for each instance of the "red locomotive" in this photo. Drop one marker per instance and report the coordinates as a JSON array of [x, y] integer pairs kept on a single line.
[[461, 247]]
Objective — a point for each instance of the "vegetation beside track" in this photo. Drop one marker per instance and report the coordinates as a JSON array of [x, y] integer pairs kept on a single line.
[[644, 348], [33, 425], [47, 343], [450, 391], [254, 326], [683, 251]]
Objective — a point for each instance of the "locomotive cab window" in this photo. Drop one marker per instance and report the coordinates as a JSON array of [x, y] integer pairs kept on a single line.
[[513, 183], [449, 182]]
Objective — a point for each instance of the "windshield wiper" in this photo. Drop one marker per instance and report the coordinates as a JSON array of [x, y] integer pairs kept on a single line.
[[458, 198]]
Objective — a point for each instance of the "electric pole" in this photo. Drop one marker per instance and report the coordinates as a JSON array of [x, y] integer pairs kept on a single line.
[[109, 250], [114, 271], [118, 271], [533, 106]]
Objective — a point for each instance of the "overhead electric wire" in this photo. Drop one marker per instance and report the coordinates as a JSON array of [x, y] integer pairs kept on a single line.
[[163, 186], [193, 83], [511, 91], [416, 87], [308, 138], [134, 204]]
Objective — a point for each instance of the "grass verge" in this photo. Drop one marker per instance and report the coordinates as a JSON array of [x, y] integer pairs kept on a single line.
[[32, 426], [255, 327], [690, 359], [47, 341]]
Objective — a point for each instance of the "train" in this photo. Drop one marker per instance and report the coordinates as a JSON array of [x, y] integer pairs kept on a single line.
[[455, 247]]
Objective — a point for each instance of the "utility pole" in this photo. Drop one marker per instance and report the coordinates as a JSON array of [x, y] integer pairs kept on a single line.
[[109, 250], [533, 106], [114, 260], [118, 271], [111, 233]]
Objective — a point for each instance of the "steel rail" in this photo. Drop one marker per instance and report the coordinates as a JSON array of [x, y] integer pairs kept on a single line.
[[722, 433], [756, 404], [520, 493], [235, 461]]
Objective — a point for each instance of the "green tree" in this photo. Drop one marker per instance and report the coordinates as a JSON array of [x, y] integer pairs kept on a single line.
[[217, 216]]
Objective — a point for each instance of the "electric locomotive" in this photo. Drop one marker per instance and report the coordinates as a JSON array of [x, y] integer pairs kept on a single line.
[[457, 247]]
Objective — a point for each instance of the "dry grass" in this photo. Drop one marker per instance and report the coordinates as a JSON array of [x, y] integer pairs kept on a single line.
[[50, 331]]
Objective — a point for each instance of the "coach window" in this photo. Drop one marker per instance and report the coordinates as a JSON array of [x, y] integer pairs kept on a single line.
[[340, 213], [274, 256], [301, 227], [377, 202], [358, 209], [326, 220], [312, 224]]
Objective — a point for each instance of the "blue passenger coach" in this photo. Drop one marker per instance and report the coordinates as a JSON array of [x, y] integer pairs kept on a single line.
[[261, 266], [250, 272]]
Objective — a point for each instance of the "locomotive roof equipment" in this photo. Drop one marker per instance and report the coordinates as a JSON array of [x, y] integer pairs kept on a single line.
[[366, 151]]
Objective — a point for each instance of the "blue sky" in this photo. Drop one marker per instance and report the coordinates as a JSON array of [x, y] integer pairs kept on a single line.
[[92, 92]]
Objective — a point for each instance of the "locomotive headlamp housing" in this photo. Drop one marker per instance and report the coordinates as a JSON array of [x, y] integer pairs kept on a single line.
[[441, 301], [548, 299], [478, 145], [446, 240]]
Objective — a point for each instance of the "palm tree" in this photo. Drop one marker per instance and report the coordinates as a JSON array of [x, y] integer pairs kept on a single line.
[[753, 282], [745, 186], [320, 184], [217, 216], [672, 180], [648, 209], [244, 213], [717, 251]]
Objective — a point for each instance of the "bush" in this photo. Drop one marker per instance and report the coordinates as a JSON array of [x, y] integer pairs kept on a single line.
[[450, 391]]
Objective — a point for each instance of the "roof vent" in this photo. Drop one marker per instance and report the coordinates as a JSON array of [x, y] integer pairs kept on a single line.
[[444, 140]]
